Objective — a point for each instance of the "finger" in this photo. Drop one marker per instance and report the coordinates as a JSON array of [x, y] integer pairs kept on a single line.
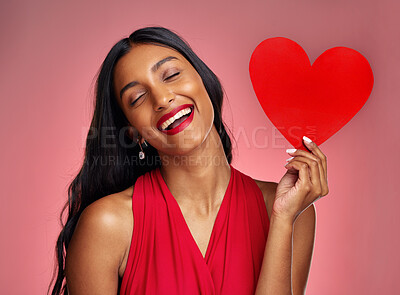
[[322, 174], [304, 175], [312, 146], [315, 172], [299, 152]]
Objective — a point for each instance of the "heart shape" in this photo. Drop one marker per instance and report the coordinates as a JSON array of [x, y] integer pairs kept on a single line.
[[300, 99]]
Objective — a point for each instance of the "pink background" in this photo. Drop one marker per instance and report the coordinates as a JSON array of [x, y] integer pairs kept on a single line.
[[51, 50]]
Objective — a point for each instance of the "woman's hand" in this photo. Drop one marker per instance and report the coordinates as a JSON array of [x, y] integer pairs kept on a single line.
[[304, 182]]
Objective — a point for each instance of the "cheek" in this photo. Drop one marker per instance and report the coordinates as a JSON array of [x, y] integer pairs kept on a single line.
[[195, 89], [193, 84], [140, 120], [190, 87]]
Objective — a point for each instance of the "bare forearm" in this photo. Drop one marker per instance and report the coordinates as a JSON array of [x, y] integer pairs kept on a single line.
[[275, 275]]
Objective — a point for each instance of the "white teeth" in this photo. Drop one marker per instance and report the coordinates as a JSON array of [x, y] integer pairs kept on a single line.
[[177, 116]]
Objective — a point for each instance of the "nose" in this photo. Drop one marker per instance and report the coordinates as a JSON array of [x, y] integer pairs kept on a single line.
[[162, 98]]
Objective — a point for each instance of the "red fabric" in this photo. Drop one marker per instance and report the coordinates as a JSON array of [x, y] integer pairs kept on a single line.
[[164, 257]]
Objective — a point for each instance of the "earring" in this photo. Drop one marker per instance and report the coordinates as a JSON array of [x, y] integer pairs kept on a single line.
[[141, 153]]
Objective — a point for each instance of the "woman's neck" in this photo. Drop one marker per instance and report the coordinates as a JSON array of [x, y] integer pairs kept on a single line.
[[198, 179]]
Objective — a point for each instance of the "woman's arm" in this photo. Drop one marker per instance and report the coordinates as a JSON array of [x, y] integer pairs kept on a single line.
[[297, 255], [275, 275], [303, 247], [289, 247], [284, 261], [97, 249]]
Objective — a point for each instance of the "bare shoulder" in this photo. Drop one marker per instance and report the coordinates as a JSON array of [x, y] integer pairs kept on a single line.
[[268, 189], [100, 244], [109, 209]]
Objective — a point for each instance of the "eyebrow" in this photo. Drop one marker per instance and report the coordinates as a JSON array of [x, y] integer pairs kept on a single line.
[[154, 68]]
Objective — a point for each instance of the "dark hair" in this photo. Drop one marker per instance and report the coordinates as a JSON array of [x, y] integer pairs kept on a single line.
[[96, 179]]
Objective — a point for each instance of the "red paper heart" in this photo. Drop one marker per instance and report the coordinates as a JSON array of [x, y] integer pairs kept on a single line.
[[300, 99]]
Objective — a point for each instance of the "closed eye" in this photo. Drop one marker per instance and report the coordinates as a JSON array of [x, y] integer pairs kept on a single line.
[[133, 102], [173, 75]]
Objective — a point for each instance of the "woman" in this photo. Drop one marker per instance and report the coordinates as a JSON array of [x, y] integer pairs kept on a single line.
[[142, 211]]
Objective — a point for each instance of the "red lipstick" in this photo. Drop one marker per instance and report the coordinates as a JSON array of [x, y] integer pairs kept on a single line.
[[172, 113]]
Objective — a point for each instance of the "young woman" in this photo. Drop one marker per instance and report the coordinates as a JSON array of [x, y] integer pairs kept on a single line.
[[157, 207]]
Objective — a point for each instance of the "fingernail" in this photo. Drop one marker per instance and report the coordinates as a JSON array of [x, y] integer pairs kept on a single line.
[[307, 139], [291, 151], [289, 159]]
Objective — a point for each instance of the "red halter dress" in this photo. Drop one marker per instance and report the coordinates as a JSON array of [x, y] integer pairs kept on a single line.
[[164, 257]]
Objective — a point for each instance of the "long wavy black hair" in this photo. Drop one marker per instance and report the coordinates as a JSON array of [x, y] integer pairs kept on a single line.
[[106, 140]]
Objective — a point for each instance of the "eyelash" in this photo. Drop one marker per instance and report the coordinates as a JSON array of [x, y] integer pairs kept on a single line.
[[173, 75], [133, 102], [169, 77]]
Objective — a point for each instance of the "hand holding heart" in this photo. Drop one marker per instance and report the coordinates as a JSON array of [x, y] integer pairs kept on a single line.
[[304, 182], [316, 100]]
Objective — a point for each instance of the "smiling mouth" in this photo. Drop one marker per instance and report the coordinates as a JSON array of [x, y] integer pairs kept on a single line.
[[177, 119], [178, 122]]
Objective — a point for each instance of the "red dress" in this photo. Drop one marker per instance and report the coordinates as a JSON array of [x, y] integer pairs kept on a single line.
[[164, 257]]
